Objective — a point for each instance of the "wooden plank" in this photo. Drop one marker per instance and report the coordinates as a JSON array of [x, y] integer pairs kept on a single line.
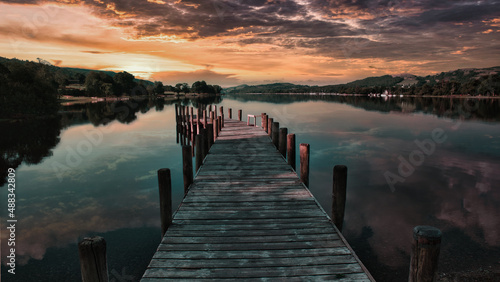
[[349, 277]]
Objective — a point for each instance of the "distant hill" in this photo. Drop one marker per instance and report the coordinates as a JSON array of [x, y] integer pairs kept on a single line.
[[473, 81]]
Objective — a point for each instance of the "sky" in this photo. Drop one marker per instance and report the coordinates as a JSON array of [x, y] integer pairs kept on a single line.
[[313, 42]]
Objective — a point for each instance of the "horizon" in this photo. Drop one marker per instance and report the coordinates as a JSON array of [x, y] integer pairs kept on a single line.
[[231, 43]]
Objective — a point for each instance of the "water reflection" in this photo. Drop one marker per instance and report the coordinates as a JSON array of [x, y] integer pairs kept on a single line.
[[113, 190]]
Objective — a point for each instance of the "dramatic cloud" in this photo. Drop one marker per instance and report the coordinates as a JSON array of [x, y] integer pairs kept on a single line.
[[244, 37]]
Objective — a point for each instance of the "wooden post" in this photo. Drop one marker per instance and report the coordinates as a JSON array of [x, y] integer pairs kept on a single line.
[[93, 265], [199, 153], [215, 111], [239, 114], [262, 115], [339, 195], [219, 123], [282, 141], [291, 150], [176, 113], [165, 187], [210, 135], [216, 129], [192, 116], [204, 145], [424, 254], [264, 122], [270, 126], [230, 113], [276, 134], [187, 167], [211, 116], [205, 118], [222, 116], [304, 164]]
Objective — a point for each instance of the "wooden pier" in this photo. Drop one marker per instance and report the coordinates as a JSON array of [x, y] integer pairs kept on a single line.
[[247, 216]]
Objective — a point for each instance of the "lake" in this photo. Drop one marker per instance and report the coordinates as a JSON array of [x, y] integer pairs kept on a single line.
[[411, 161]]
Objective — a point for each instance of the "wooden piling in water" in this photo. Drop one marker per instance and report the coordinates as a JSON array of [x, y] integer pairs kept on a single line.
[[291, 150], [276, 134], [210, 135], [264, 122], [262, 115], [205, 118], [230, 112], [187, 167], [282, 141], [165, 188], [240, 112], [222, 116], [199, 153], [270, 126], [339, 195], [304, 163], [93, 265], [424, 254], [219, 123], [204, 143]]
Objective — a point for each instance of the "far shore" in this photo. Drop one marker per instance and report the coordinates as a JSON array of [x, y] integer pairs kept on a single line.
[[67, 100]]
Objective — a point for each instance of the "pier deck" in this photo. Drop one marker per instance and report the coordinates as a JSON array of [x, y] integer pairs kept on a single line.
[[247, 217]]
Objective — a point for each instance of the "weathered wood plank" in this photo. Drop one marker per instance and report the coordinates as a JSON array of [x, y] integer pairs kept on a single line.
[[349, 277]]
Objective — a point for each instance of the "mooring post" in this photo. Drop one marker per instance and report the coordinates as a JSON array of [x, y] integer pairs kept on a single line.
[[270, 126], [205, 118], [264, 123], [204, 145], [262, 115], [199, 153], [424, 254], [165, 187], [304, 164], [240, 112], [291, 150], [339, 195], [219, 123], [222, 116], [187, 167], [211, 117], [282, 141], [210, 135], [230, 113], [215, 111], [276, 134], [176, 113], [93, 265]]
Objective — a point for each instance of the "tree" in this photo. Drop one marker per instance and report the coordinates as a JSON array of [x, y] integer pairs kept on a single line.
[[185, 88], [125, 83], [178, 88], [158, 88]]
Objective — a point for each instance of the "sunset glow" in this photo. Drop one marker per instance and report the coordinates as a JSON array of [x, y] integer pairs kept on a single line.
[[313, 42]]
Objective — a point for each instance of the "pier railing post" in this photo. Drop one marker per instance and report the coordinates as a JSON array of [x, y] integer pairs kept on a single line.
[[264, 123], [262, 115], [204, 145], [198, 150], [165, 188], [222, 116], [339, 195], [270, 126], [283, 141], [304, 163], [240, 112], [291, 150], [93, 265], [219, 123], [210, 135], [276, 134], [187, 167], [230, 113], [424, 254]]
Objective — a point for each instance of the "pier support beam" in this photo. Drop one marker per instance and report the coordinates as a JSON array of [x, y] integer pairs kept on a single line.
[[424, 254], [93, 265], [165, 188], [291, 150], [339, 195], [283, 141], [187, 167], [304, 163], [276, 134]]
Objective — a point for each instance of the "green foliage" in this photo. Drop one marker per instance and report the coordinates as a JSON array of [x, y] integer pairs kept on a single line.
[[27, 89]]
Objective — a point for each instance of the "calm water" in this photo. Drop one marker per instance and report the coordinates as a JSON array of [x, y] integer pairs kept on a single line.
[[93, 172]]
